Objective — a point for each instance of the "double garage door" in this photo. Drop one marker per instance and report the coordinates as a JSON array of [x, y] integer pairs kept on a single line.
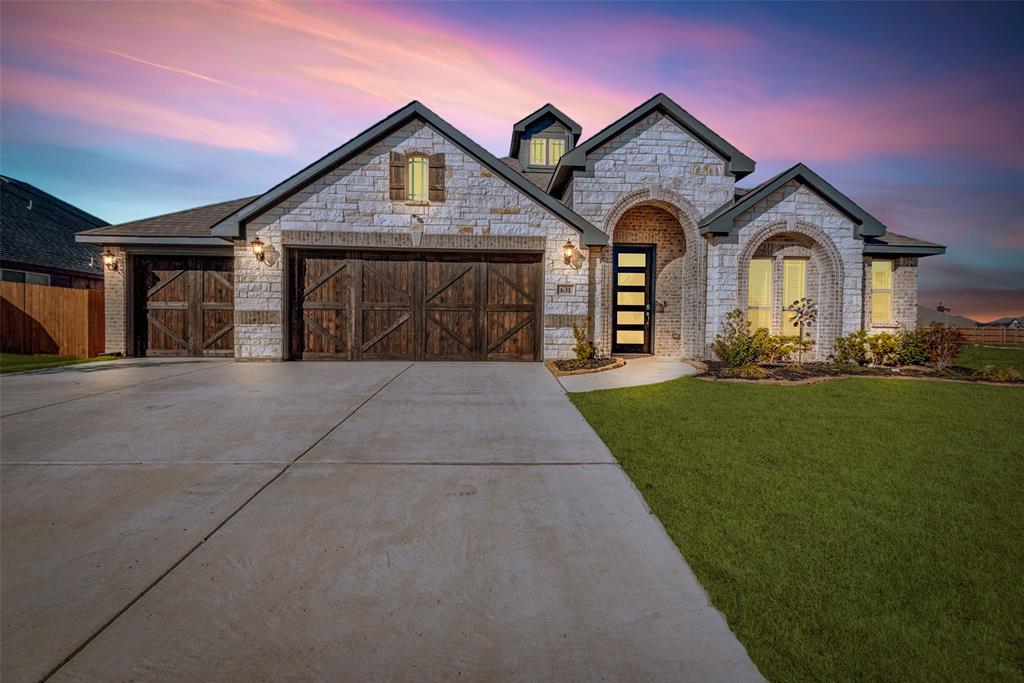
[[364, 305]]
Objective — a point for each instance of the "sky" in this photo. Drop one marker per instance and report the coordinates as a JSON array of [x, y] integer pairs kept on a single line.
[[915, 111]]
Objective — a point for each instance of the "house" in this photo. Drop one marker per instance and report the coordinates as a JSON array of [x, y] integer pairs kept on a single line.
[[37, 239], [1009, 322], [926, 316], [411, 241]]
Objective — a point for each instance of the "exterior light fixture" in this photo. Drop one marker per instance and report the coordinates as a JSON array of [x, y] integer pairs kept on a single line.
[[259, 250], [569, 250], [109, 260]]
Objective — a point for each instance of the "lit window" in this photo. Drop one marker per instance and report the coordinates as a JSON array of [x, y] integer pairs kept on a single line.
[[881, 291], [556, 148], [538, 152], [759, 296], [417, 179], [794, 288]]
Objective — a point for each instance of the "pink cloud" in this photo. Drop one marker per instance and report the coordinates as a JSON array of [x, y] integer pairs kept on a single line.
[[88, 102]]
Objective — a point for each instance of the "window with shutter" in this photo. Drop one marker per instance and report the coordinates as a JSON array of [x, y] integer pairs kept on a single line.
[[416, 179], [881, 291], [794, 288], [759, 296]]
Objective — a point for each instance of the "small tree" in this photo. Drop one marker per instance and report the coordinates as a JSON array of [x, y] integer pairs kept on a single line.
[[584, 348], [941, 344], [805, 313]]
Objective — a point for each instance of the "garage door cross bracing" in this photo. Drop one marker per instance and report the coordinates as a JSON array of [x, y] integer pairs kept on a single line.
[[364, 305]]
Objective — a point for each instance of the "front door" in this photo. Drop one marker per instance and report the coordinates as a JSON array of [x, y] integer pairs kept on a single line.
[[633, 291]]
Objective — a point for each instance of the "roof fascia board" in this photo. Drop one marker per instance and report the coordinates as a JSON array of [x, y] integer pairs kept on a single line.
[[721, 222], [231, 226], [886, 249], [134, 239]]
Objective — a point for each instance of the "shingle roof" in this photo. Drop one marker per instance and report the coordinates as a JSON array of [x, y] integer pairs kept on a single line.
[[188, 223], [893, 244], [539, 179], [36, 228]]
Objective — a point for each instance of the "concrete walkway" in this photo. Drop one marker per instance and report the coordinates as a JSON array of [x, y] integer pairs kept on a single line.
[[331, 521], [636, 372]]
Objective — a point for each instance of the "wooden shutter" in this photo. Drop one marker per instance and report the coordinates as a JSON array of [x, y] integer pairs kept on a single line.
[[759, 296], [397, 178], [881, 291], [794, 288], [437, 177]]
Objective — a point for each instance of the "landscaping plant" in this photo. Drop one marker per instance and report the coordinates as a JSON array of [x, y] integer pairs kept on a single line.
[[584, 348], [941, 344], [734, 344]]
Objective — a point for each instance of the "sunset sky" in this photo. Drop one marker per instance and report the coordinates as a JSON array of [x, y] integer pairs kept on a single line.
[[915, 111]]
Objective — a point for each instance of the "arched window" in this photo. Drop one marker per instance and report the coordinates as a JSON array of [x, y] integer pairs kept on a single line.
[[417, 169]]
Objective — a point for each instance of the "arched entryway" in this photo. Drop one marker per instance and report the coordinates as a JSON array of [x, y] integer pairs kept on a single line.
[[787, 262], [646, 282]]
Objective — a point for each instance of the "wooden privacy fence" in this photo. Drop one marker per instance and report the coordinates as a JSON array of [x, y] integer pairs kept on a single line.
[[995, 336], [41, 319]]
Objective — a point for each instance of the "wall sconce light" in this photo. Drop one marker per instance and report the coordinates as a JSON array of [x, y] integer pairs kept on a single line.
[[573, 257], [109, 260], [259, 250]]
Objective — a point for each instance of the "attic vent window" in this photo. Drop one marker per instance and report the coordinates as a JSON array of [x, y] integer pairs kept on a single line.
[[546, 151]]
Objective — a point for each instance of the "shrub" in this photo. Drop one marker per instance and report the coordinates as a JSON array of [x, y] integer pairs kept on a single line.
[[583, 349], [734, 344], [747, 371], [990, 373], [941, 344], [851, 349], [772, 348], [884, 348], [911, 348]]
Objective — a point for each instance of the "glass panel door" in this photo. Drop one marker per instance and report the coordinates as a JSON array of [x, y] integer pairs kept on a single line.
[[632, 293]]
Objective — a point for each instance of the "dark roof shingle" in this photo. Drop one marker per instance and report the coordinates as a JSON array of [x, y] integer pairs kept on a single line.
[[37, 228], [188, 223]]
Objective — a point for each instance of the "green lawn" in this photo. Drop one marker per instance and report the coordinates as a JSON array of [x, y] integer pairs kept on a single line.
[[17, 362], [976, 356], [859, 529]]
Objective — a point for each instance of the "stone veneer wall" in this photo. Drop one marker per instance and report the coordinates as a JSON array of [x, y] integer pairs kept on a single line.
[[654, 161], [904, 296], [354, 198], [114, 332], [798, 210], [647, 224]]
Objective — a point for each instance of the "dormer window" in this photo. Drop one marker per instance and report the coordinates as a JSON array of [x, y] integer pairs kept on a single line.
[[546, 151]]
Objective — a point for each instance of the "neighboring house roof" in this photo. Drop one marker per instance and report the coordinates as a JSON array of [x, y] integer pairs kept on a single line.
[[38, 229], [190, 224], [551, 110], [722, 220], [927, 316], [1007, 321], [232, 225], [737, 163], [538, 178], [900, 245]]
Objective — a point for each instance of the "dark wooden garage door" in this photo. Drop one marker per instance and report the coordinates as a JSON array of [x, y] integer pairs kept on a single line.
[[360, 305], [184, 306]]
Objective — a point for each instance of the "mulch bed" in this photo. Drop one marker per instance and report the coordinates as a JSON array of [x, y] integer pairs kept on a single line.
[[808, 371], [573, 367]]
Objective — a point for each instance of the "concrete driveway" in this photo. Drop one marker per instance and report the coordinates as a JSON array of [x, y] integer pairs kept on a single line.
[[212, 520]]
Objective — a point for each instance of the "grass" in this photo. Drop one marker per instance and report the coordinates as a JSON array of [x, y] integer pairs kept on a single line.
[[977, 356], [18, 362], [858, 529]]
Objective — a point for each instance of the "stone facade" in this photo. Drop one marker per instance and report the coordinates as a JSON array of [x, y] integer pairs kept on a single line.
[[354, 199], [115, 332]]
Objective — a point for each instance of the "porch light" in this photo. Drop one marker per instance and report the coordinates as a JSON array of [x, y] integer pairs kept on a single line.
[[109, 260], [569, 251], [258, 249]]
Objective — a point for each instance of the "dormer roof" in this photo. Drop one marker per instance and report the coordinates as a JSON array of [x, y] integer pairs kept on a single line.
[[548, 110]]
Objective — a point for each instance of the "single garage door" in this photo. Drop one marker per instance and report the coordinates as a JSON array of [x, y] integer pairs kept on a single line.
[[184, 306], [364, 305]]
